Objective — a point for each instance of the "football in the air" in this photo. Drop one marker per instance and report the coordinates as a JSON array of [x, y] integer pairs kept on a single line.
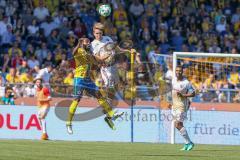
[[104, 10]]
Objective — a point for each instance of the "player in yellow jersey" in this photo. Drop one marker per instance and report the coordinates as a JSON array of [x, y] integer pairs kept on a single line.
[[84, 60]]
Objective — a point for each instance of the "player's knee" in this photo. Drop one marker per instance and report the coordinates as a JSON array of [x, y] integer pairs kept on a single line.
[[78, 99], [41, 116], [178, 125], [98, 95]]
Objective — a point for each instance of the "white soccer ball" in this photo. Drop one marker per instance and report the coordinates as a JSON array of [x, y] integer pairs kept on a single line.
[[104, 10]]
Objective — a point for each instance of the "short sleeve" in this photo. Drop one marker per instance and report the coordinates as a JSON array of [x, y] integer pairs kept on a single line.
[[190, 88], [46, 91]]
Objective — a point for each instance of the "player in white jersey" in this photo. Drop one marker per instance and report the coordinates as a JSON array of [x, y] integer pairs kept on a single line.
[[182, 89], [108, 71]]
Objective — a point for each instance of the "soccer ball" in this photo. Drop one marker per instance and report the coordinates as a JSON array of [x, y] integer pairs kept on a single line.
[[104, 10]]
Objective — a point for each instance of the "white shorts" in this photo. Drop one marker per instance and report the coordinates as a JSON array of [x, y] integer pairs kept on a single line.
[[43, 111], [110, 76], [179, 115]]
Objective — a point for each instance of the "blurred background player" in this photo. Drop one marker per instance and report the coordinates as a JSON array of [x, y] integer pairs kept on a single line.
[[182, 89], [84, 60], [43, 102]]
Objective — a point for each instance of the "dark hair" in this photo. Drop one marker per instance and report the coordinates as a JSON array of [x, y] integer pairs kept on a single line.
[[8, 88], [180, 66], [38, 79]]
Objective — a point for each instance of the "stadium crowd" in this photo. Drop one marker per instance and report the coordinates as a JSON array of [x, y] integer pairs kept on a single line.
[[37, 37]]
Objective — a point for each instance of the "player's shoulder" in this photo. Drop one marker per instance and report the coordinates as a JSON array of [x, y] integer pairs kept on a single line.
[[81, 51], [185, 80], [45, 89], [107, 39], [94, 41]]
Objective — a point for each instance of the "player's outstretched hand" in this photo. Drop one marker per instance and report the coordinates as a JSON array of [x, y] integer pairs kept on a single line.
[[133, 50]]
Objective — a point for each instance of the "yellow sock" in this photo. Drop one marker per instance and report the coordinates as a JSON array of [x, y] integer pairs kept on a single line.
[[72, 110], [107, 108]]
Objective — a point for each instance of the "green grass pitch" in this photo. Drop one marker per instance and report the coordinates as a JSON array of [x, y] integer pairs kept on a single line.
[[63, 150]]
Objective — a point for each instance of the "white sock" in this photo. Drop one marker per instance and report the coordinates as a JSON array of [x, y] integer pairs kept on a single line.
[[184, 134], [44, 129]]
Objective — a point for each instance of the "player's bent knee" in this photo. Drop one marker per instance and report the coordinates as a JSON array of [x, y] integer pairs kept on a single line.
[[98, 95], [77, 99], [178, 125]]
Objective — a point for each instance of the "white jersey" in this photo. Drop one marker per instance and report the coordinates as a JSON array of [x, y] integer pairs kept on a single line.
[[96, 45], [108, 74], [183, 86]]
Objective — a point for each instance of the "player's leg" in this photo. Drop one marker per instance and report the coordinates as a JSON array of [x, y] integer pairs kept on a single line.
[[94, 90], [111, 79], [73, 107], [179, 118], [42, 113]]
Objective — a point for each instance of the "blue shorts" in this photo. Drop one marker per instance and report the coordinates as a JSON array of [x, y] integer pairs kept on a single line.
[[81, 84]]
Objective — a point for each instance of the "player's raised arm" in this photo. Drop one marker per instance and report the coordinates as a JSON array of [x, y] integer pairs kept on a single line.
[[78, 46]]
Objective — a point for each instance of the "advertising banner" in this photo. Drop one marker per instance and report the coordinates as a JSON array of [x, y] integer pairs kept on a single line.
[[149, 125]]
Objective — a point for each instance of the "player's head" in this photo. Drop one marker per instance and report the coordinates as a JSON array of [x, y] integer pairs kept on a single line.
[[84, 43], [38, 82], [98, 30], [179, 72]]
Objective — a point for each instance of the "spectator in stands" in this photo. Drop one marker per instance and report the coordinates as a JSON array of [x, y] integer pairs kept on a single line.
[[41, 53], [9, 97], [32, 62], [26, 77], [210, 82], [23, 68], [7, 36], [136, 10], [33, 29], [53, 40], [41, 12], [20, 28], [15, 49], [64, 29], [48, 26], [27, 16], [214, 48], [234, 78], [29, 51], [120, 17], [49, 59], [236, 98], [196, 83], [12, 76], [221, 27], [3, 25], [29, 91], [79, 28]]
